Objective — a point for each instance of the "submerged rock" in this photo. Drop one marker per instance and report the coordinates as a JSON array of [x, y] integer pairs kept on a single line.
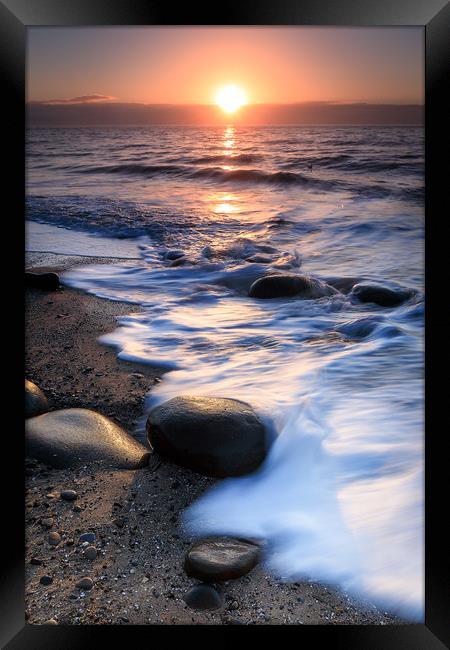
[[45, 281], [72, 437], [203, 597], [379, 295], [35, 400], [285, 285], [211, 435], [220, 559]]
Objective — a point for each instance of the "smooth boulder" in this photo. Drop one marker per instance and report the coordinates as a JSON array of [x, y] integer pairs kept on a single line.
[[73, 437], [220, 559], [35, 401], [203, 597], [289, 285], [44, 281], [210, 435], [379, 295]]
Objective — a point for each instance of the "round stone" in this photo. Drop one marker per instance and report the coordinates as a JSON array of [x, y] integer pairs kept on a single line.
[[47, 523], [54, 539], [87, 537], [46, 580], [203, 597], [220, 559], [211, 435], [74, 437], [90, 552], [379, 295], [287, 285], [69, 495], [85, 583], [35, 400]]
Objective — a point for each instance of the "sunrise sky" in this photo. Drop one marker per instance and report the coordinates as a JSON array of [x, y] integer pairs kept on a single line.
[[190, 65]]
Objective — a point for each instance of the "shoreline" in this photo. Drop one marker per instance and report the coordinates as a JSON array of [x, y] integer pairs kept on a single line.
[[138, 573]]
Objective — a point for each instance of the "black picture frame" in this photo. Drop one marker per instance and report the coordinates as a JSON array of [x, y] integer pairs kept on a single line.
[[434, 16]]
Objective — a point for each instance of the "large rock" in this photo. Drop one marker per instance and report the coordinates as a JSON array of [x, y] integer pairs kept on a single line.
[[379, 295], [44, 281], [35, 400], [72, 437], [280, 286], [211, 435], [220, 559]]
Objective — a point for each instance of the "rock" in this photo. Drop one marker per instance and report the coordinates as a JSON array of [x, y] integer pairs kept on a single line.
[[217, 560], [73, 437], [46, 580], [382, 296], [301, 286], [87, 537], [35, 400], [51, 621], [54, 539], [85, 583], [35, 561], [47, 523], [173, 255], [90, 553], [259, 259], [203, 597], [69, 495], [210, 435], [44, 281]]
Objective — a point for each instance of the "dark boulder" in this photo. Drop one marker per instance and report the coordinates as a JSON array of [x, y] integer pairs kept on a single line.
[[379, 295], [210, 435], [73, 437], [35, 400], [286, 285], [220, 559], [44, 281]]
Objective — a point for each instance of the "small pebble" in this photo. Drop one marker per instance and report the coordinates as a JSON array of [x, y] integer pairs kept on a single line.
[[51, 621], [87, 537], [47, 523], [85, 583], [36, 561], [90, 553], [69, 495], [46, 580], [77, 508], [203, 597], [54, 539]]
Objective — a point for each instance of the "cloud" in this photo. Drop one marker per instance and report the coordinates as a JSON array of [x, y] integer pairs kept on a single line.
[[83, 99]]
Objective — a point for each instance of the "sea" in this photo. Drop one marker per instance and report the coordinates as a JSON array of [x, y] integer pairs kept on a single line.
[[193, 216]]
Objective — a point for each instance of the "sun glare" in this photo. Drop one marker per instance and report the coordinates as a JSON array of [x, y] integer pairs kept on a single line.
[[230, 98]]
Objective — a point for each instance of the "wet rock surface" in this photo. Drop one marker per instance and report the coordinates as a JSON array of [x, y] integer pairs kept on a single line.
[[213, 436], [220, 559], [290, 285], [78, 436], [379, 295], [35, 401]]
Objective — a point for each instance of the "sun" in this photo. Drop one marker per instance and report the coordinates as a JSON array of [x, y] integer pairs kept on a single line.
[[230, 98]]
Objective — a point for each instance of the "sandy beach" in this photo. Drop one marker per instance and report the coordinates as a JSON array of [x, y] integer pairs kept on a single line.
[[137, 574]]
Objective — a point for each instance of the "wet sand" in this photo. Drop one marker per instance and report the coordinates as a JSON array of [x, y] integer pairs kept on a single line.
[[138, 572]]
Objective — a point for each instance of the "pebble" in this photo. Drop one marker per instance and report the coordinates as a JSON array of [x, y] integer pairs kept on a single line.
[[36, 561], [69, 495], [46, 580], [203, 597], [54, 539], [51, 621], [90, 553], [87, 537], [47, 523], [77, 508], [85, 583]]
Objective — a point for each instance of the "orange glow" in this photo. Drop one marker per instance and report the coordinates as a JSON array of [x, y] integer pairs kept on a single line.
[[230, 98]]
